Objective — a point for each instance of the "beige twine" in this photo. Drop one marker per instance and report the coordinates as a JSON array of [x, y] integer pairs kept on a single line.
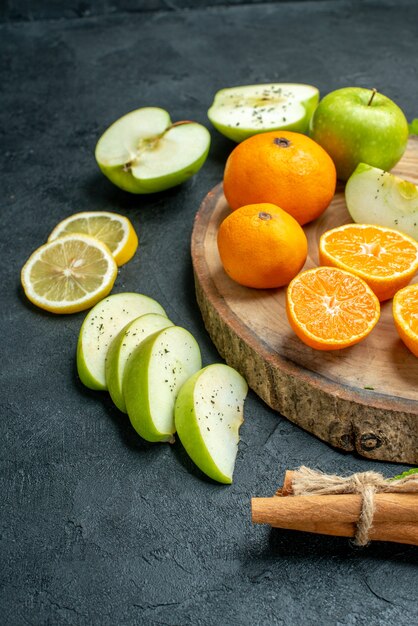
[[306, 482]]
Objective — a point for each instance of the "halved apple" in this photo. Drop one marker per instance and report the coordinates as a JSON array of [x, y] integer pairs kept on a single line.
[[102, 323], [374, 196], [121, 348], [240, 112], [154, 373], [143, 152], [209, 411]]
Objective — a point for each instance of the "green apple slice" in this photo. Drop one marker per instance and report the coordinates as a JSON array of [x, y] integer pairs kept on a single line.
[[102, 323], [154, 373], [143, 152], [240, 112], [208, 414], [374, 196], [121, 348]]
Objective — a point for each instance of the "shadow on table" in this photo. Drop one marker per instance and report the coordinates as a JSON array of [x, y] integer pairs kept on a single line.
[[105, 194], [131, 438], [183, 458], [134, 442], [297, 545]]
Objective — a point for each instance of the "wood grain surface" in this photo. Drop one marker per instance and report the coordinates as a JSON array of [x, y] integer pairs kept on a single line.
[[363, 398]]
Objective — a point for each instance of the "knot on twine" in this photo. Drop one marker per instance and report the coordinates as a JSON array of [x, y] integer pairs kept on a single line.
[[307, 482]]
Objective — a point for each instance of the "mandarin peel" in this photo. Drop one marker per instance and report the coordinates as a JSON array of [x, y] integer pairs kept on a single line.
[[261, 246], [284, 168]]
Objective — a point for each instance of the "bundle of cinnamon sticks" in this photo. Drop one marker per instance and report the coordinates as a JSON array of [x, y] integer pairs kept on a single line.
[[365, 506]]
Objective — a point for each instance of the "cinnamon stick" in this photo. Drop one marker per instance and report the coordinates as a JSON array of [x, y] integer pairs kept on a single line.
[[395, 518], [287, 488], [394, 508]]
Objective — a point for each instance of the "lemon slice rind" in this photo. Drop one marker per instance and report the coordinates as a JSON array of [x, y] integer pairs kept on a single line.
[[114, 230], [52, 270]]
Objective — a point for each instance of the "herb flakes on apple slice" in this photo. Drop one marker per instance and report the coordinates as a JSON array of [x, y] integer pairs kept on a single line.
[[121, 348], [208, 414], [154, 373], [102, 323], [375, 196], [240, 112]]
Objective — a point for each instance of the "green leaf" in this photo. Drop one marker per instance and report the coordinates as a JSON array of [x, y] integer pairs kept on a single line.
[[413, 127], [414, 470]]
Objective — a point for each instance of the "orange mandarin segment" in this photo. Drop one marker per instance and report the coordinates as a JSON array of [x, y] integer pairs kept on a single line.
[[329, 308], [385, 258], [405, 315]]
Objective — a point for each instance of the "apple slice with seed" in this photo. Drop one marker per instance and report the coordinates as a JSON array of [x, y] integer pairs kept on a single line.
[[240, 112], [121, 348], [209, 411], [154, 373], [143, 152], [374, 196], [102, 323]]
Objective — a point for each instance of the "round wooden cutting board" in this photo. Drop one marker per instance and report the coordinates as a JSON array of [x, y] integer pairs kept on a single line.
[[363, 398]]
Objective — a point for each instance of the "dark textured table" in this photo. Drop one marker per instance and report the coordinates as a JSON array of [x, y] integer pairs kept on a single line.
[[97, 526]]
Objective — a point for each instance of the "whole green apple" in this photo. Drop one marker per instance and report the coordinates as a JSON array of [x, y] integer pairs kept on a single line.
[[356, 125]]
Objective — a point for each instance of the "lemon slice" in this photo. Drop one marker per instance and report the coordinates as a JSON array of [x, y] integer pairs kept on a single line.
[[69, 274], [114, 230]]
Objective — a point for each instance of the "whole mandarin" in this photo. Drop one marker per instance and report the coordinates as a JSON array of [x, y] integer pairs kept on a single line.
[[261, 246], [283, 168]]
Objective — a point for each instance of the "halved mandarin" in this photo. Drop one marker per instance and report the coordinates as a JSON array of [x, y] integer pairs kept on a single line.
[[329, 308], [385, 258], [405, 315]]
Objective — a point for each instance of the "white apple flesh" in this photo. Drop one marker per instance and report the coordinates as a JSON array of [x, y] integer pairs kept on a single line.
[[102, 323], [143, 152], [240, 112], [154, 373], [208, 414], [121, 348], [356, 125], [374, 196]]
